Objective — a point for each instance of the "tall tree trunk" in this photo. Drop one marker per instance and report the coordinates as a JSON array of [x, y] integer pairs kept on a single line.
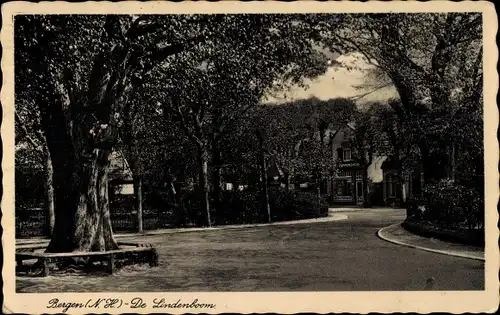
[[287, 181], [216, 175], [452, 162], [319, 178], [265, 188], [49, 187], [133, 156], [203, 181], [137, 179], [136, 168], [332, 186], [262, 136]]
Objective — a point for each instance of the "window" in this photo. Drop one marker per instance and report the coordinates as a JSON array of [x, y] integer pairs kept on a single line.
[[344, 173], [343, 188], [346, 155]]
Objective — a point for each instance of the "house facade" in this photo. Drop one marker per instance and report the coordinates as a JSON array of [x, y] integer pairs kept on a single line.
[[345, 187], [120, 174]]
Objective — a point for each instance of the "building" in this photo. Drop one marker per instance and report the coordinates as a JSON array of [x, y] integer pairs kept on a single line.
[[120, 174], [346, 185]]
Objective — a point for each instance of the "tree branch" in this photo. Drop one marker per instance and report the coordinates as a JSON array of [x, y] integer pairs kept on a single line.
[[182, 120], [26, 134], [161, 54], [360, 96], [369, 57]]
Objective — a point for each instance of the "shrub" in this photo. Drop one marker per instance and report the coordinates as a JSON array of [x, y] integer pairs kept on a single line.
[[245, 207], [448, 204], [296, 205], [239, 207]]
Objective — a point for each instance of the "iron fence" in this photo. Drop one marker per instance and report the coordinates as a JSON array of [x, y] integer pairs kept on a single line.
[[34, 222]]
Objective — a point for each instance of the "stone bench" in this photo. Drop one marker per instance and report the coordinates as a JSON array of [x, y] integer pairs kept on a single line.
[[27, 253]]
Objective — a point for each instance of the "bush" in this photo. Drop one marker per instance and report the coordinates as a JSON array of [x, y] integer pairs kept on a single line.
[[296, 205], [239, 207], [449, 205], [246, 207]]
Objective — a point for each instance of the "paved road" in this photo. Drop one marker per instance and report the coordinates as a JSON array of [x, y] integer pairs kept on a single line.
[[341, 255]]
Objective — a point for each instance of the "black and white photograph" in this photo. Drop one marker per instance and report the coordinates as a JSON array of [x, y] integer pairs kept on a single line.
[[184, 150]]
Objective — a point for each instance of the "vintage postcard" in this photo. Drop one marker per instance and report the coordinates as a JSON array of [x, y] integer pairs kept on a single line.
[[253, 157]]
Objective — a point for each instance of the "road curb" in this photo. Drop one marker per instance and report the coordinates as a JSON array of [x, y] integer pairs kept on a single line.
[[382, 234], [331, 218], [335, 217]]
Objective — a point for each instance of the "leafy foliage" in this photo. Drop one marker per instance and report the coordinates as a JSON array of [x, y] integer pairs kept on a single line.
[[451, 205], [168, 90], [435, 63], [299, 133], [28, 176]]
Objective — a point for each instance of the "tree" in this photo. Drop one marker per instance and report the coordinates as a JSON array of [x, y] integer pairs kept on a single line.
[[240, 151], [226, 77], [300, 135], [29, 131], [368, 141], [83, 83], [135, 120], [261, 135], [433, 60], [402, 148]]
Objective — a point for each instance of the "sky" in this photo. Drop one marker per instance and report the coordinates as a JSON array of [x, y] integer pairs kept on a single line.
[[339, 81]]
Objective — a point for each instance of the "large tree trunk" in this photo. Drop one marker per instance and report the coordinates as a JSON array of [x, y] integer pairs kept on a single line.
[[49, 188], [203, 181], [81, 129], [83, 220], [80, 147]]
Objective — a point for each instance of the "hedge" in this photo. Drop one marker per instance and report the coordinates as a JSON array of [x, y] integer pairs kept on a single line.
[[448, 211], [245, 207], [449, 205]]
